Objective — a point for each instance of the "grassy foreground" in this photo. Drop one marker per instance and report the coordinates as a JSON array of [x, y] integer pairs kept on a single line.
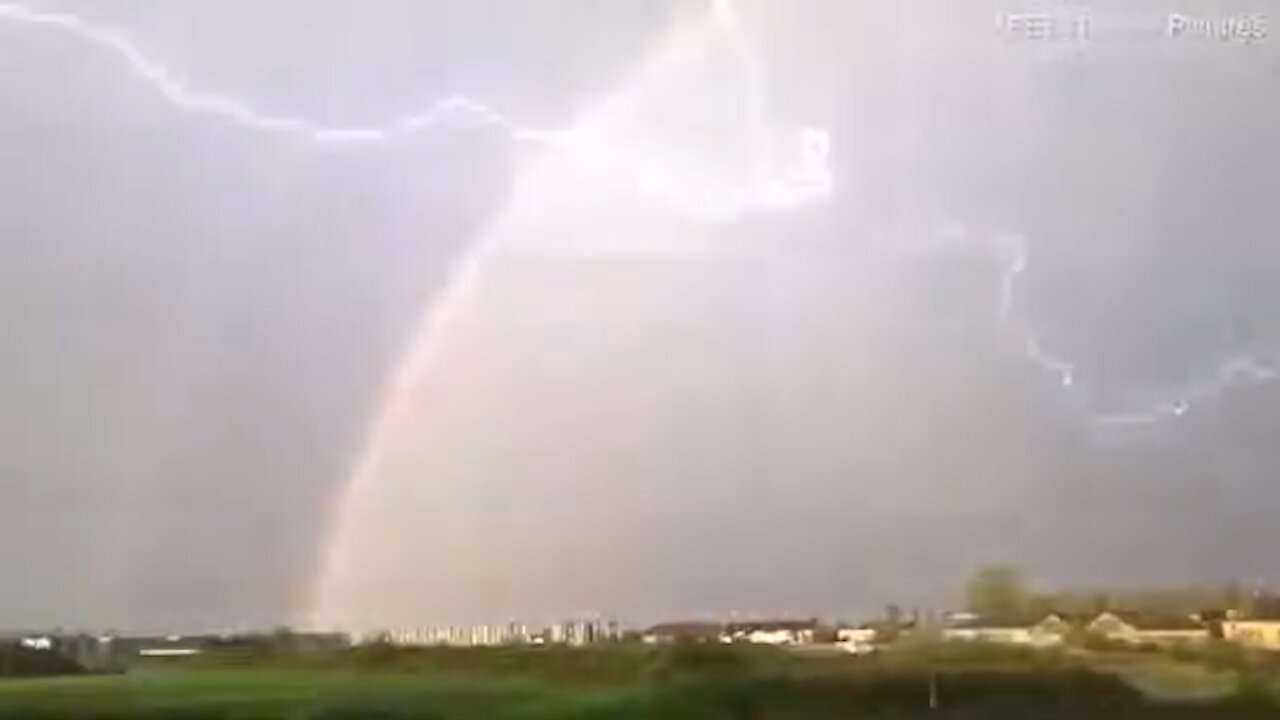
[[619, 683]]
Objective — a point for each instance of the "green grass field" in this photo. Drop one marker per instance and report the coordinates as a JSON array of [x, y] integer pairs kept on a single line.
[[630, 683], [270, 693]]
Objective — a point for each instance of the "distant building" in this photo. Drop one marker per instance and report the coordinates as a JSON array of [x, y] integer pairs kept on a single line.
[[169, 645], [511, 633], [569, 632], [1056, 628], [583, 632], [857, 640], [605, 631], [695, 631], [772, 632], [1049, 631], [1260, 634], [578, 632], [856, 635], [990, 632], [37, 642], [1143, 629], [115, 652]]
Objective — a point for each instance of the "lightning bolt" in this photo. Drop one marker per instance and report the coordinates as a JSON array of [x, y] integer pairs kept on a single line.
[[767, 187], [766, 190], [643, 170], [1235, 371]]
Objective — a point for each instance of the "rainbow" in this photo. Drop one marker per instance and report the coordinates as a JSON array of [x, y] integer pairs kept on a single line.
[[340, 596], [596, 144]]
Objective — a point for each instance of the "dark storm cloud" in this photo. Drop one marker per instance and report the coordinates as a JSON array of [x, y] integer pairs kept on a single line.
[[830, 414], [197, 317], [197, 320]]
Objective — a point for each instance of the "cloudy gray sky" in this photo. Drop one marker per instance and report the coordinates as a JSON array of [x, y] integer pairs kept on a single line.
[[638, 413]]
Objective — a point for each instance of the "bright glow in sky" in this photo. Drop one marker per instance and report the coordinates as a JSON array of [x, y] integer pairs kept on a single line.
[[617, 134], [246, 277]]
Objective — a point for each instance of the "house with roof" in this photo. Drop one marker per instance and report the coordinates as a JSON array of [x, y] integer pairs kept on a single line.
[[1058, 625], [1145, 629], [1004, 633], [772, 632], [695, 631], [857, 640], [1262, 634], [1049, 631]]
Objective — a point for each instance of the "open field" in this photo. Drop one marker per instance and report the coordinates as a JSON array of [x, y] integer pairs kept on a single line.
[[670, 683]]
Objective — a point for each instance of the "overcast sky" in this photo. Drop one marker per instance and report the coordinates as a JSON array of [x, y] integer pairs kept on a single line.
[[637, 413]]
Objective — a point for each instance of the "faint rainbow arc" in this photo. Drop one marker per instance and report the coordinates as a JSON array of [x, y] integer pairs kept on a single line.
[[764, 191]]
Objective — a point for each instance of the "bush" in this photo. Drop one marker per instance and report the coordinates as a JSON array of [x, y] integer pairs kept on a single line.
[[1102, 643], [697, 659], [20, 661], [1216, 654]]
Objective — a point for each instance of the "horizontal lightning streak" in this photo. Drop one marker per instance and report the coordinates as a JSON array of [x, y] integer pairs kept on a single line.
[[1242, 370], [646, 172], [709, 202]]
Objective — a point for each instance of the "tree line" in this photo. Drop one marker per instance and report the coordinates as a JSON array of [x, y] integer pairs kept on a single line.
[[1004, 593]]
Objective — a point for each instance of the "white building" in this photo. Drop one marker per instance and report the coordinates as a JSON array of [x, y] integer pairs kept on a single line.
[[1048, 632], [771, 632], [572, 632], [37, 642], [856, 640], [1011, 635], [463, 635]]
